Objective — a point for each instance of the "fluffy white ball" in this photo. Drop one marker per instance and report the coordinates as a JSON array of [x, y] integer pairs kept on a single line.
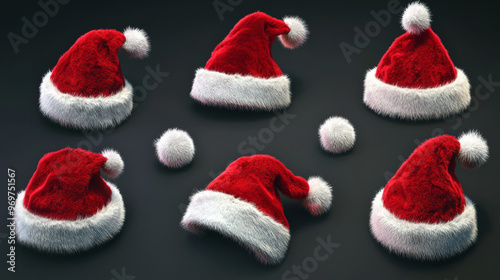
[[337, 135], [113, 167], [136, 43], [175, 148], [473, 149], [319, 198], [297, 35], [416, 18]]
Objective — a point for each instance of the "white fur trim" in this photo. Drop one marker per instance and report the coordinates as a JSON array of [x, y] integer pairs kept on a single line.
[[136, 43], [337, 135], [175, 148], [241, 221], [237, 91], [59, 236], [82, 112], [319, 198], [113, 167], [416, 18], [422, 240], [416, 103], [474, 150], [297, 35]]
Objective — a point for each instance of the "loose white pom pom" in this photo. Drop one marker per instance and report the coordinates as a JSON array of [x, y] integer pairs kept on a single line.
[[114, 165], [319, 198], [136, 43], [337, 135], [416, 18], [175, 148], [297, 35], [473, 149]]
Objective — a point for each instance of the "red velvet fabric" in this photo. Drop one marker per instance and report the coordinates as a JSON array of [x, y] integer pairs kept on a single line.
[[257, 179], [67, 185], [417, 61], [90, 68], [247, 48], [425, 188]]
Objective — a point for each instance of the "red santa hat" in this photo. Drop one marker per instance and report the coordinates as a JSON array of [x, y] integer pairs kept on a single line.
[[416, 78], [67, 206], [241, 73], [422, 212], [243, 203], [86, 89]]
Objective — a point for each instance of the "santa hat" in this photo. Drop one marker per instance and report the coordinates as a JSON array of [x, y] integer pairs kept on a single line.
[[422, 212], [416, 78], [241, 73], [243, 203], [86, 89], [67, 206]]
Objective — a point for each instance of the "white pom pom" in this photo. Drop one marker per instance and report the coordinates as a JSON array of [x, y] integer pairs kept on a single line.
[[337, 135], [319, 198], [175, 148], [114, 165], [297, 35], [136, 43], [416, 18], [473, 149]]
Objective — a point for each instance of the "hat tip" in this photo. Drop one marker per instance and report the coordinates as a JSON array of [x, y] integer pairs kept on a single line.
[[416, 18], [319, 198], [297, 35], [114, 165], [136, 42], [474, 150]]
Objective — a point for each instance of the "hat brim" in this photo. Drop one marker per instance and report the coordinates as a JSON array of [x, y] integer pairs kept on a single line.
[[85, 112], [416, 103], [240, 221], [422, 240], [241, 92], [59, 236]]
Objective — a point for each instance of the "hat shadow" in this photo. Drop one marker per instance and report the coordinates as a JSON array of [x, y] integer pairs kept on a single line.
[[160, 167], [298, 217], [55, 127], [397, 120], [229, 251], [333, 155], [228, 114]]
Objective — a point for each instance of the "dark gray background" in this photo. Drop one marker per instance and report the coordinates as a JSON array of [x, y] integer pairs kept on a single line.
[[152, 245]]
